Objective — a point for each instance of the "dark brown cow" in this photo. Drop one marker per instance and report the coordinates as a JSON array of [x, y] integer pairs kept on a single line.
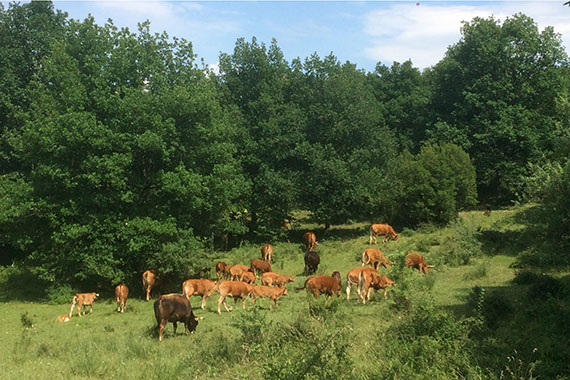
[[312, 260], [121, 295], [237, 270], [414, 260], [352, 279], [260, 291], [368, 281], [267, 252], [375, 258], [260, 266], [329, 285], [310, 241], [221, 270], [174, 308], [235, 289], [148, 281], [198, 287], [385, 230], [276, 279], [83, 299]]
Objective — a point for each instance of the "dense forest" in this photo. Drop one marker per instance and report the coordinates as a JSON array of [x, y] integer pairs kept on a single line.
[[120, 151]]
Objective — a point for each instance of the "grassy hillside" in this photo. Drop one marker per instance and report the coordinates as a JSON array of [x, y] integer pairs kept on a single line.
[[466, 319]]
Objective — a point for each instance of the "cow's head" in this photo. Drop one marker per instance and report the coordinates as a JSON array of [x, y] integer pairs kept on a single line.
[[336, 275], [192, 322], [285, 293], [395, 236]]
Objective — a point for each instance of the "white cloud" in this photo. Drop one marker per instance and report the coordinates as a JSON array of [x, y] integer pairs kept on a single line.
[[423, 33]]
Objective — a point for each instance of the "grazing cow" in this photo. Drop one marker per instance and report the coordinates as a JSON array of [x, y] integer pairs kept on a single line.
[[201, 288], [310, 241], [83, 299], [276, 279], [267, 252], [385, 230], [237, 270], [121, 295], [235, 289], [375, 258], [260, 266], [148, 281], [174, 308], [329, 285], [414, 260], [368, 281], [221, 270], [312, 261], [352, 279], [248, 277], [63, 318], [487, 212], [261, 291]]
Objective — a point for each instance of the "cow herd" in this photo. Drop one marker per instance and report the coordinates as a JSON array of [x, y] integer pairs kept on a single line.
[[238, 281]]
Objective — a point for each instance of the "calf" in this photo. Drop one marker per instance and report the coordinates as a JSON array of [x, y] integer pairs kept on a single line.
[[385, 230], [270, 292], [368, 281], [310, 241], [260, 266], [267, 252], [417, 261], [174, 308], [236, 271], [221, 270], [329, 285], [83, 299], [352, 279], [248, 277], [375, 258], [121, 295], [271, 278], [148, 281], [234, 289], [312, 260], [201, 288], [63, 318]]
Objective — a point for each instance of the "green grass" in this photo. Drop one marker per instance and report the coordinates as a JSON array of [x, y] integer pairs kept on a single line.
[[239, 345]]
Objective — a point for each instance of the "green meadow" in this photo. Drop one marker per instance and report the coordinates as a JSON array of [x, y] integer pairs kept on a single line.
[[474, 316]]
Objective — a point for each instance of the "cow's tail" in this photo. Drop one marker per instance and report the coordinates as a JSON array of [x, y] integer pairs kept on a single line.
[[304, 286], [158, 311], [73, 303]]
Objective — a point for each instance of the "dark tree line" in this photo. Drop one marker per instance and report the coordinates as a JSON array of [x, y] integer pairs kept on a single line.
[[118, 152]]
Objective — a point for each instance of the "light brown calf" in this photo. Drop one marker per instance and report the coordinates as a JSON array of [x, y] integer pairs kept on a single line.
[[385, 230], [329, 285], [237, 270], [310, 240], [121, 295], [198, 287], [375, 258], [414, 260], [221, 270], [267, 252], [275, 279], [148, 281], [368, 281], [261, 291], [248, 277], [235, 289], [83, 299], [352, 279], [63, 318]]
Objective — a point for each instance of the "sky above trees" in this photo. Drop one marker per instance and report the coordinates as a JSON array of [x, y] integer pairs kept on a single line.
[[364, 33]]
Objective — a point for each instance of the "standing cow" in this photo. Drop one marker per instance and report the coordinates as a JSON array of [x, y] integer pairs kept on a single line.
[[267, 252], [417, 261], [121, 295], [221, 270], [261, 291], [148, 282], [312, 261], [375, 258], [352, 279], [83, 300], [260, 266], [310, 240], [174, 308], [235, 289], [385, 230], [198, 287], [368, 281], [329, 285]]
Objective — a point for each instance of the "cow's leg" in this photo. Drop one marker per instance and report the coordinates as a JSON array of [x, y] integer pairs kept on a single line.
[[348, 291], [369, 294], [175, 326], [161, 326], [316, 293], [147, 294], [243, 302], [204, 301], [386, 293], [91, 309]]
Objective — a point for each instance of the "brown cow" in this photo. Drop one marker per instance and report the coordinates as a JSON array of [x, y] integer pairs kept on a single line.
[[310, 241], [368, 281], [260, 266], [267, 252], [201, 288], [174, 308], [329, 285], [382, 229], [221, 270], [121, 295], [375, 258], [83, 299], [148, 281], [248, 277], [276, 279], [414, 260], [312, 260], [63, 318], [487, 212], [352, 279], [268, 291], [234, 289], [237, 270]]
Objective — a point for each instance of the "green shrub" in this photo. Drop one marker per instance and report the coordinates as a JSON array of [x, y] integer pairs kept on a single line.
[[59, 294], [478, 271], [462, 244]]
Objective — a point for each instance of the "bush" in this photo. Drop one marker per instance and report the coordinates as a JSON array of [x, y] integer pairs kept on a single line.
[[59, 294], [462, 244]]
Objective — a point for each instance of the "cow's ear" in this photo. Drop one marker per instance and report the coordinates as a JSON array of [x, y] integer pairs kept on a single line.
[[198, 318]]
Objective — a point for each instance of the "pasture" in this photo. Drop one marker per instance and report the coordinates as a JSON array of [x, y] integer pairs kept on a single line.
[[459, 321]]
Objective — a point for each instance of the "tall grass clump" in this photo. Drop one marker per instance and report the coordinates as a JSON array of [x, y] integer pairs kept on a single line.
[[462, 243]]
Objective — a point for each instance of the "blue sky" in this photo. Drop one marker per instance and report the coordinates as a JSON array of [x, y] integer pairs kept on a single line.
[[362, 32]]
